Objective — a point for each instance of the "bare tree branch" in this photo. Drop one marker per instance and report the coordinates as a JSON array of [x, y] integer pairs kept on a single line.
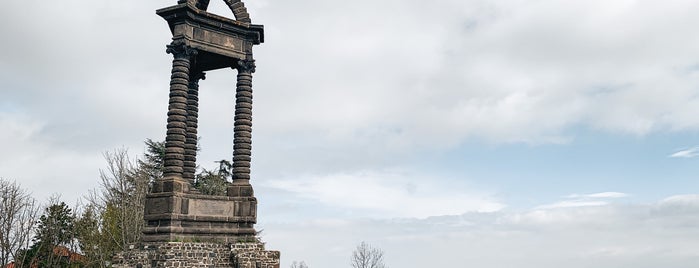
[[366, 256], [18, 216], [123, 192], [116, 207]]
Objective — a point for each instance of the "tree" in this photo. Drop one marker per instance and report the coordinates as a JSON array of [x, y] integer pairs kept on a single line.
[[119, 203], [54, 233], [97, 246], [296, 264], [366, 256], [214, 182], [113, 218], [125, 187], [209, 182], [18, 211], [153, 160]]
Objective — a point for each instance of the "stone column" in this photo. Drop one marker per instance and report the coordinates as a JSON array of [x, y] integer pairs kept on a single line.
[[177, 116], [242, 143], [190, 147]]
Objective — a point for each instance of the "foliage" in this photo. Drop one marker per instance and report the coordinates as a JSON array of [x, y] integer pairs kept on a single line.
[[124, 187], [55, 231], [209, 182], [95, 243], [55, 226], [366, 256], [113, 218], [153, 160], [214, 182], [27, 256]]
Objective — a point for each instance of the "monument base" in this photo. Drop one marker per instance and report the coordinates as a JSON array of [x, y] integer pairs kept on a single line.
[[193, 217], [190, 254]]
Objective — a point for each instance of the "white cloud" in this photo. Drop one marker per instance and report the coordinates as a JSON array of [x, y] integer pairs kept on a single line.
[[368, 94], [374, 85], [585, 200], [507, 71], [599, 195], [608, 195], [691, 200], [609, 236], [342, 88], [574, 203], [40, 163], [686, 153], [388, 194]]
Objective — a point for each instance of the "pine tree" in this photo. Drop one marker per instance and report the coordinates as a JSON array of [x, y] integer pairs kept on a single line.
[[54, 232]]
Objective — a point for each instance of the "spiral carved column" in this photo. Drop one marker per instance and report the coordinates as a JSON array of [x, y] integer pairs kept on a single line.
[[242, 144], [190, 147], [177, 111]]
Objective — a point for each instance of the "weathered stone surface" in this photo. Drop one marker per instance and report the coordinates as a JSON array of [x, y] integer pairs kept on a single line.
[[192, 112], [176, 131], [243, 124], [192, 254], [172, 216]]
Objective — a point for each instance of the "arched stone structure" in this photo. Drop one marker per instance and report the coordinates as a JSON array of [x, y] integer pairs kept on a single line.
[[214, 230], [203, 42], [240, 12]]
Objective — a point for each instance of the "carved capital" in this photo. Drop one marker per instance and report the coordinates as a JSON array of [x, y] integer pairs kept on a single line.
[[181, 51], [195, 77], [245, 66]]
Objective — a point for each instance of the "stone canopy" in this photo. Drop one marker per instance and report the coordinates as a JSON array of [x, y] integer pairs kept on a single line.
[[220, 41]]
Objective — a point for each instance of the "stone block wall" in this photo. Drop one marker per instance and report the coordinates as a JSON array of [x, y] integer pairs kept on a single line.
[[254, 255], [198, 255]]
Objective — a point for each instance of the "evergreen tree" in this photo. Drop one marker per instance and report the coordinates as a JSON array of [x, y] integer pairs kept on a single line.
[[214, 182], [97, 246], [54, 234], [153, 160]]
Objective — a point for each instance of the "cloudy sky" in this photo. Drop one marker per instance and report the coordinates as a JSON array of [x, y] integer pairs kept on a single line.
[[461, 133]]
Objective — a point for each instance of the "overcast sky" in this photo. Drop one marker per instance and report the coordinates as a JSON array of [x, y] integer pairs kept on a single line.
[[460, 133]]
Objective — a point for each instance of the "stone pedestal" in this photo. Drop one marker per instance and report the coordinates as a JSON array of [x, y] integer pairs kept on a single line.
[[191, 217], [191, 254]]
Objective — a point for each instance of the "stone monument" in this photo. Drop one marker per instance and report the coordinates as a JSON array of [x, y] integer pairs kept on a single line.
[[184, 228]]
